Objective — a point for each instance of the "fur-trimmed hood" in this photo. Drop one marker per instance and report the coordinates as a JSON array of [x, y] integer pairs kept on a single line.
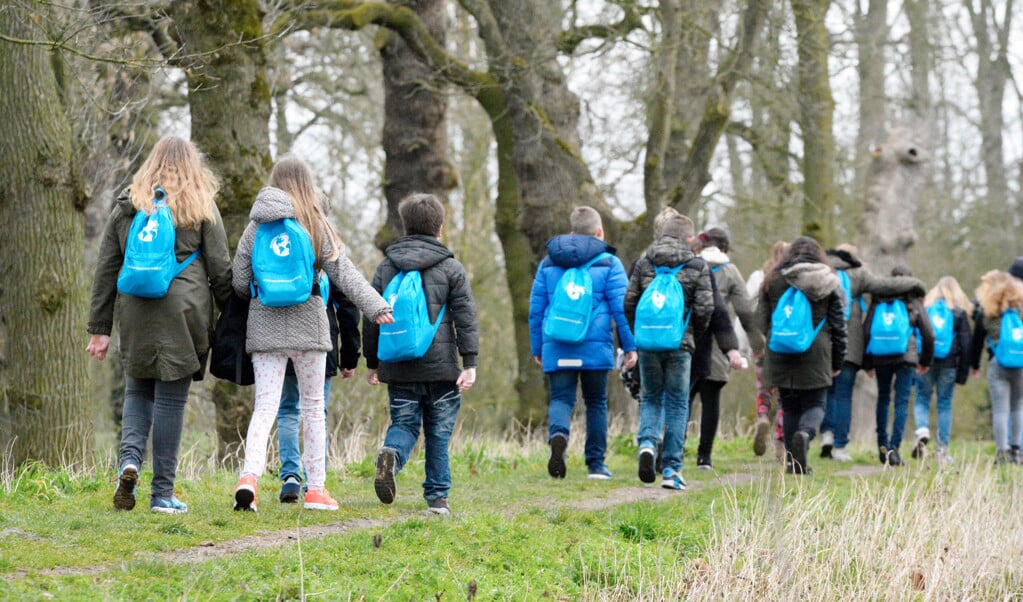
[[843, 260], [816, 280], [714, 256]]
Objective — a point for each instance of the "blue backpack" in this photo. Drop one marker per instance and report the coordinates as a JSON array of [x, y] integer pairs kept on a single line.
[[1009, 350], [889, 329], [282, 263], [943, 323], [660, 325], [843, 280], [411, 334], [792, 329], [571, 310], [149, 261]]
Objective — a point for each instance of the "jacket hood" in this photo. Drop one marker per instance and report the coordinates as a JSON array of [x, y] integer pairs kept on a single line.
[[417, 252], [670, 251], [816, 280], [271, 204], [573, 250], [714, 256], [842, 260]]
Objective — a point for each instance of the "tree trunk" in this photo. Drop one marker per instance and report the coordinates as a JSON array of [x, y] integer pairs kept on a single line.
[[871, 34], [43, 304], [229, 101], [816, 112], [415, 123]]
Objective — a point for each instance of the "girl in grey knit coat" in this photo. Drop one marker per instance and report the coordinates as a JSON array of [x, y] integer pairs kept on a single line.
[[299, 333]]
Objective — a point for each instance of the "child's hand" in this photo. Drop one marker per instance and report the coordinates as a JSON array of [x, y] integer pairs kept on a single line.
[[98, 345], [466, 380], [630, 359], [346, 373], [385, 318], [372, 378], [734, 359], [975, 373], [921, 370], [538, 360]]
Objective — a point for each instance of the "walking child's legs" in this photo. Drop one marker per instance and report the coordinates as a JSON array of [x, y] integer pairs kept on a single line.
[[269, 372], [136, 420], [168, 419], [710, 397], [1015, 378], [310, 368], [677, 366], [922, 405], [594, 388], [563, 395], [440, 410], [838, 408], [287, 427], [651, 404], [406, 419], [903, 390], [885, 375], [946, 382], [765, 394]]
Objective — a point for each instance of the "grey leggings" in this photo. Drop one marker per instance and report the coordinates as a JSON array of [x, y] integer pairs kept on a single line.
[[158, 404], [1005, 386]]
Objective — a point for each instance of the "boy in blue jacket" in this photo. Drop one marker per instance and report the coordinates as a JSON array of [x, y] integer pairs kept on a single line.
[[583, 363]]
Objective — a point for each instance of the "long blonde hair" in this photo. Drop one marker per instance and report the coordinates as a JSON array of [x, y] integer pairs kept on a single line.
[[294, 177], [949, 290], [176, 166], [998, 291]]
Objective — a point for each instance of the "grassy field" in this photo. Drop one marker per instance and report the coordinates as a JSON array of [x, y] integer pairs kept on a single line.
[[744, 531]]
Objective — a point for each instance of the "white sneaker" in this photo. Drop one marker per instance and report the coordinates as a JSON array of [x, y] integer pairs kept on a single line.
[[840, 454]]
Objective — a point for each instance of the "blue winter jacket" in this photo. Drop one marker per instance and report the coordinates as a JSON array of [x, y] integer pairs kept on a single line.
[[597, 351]]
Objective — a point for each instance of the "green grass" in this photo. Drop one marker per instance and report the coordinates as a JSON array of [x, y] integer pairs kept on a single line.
[[516, 534]]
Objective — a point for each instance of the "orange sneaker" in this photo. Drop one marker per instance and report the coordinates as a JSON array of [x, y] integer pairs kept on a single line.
[[245, 493], [319, 499]]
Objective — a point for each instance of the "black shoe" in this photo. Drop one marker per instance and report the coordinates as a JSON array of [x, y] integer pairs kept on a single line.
[[127, 485], [383, 482], [659, 460], [646, 465], [703, 463], [920, 449], [439, 506], [894, 458], [882, 454], [800, 444], [290, 490], [556, 465]]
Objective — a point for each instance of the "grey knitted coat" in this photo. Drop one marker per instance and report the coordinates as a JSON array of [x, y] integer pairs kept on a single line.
[[732, 287], [298, 327]]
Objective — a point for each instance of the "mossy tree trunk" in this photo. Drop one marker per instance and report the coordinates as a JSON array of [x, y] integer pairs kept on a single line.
[[817, 108], [229, 102], [42, 291]]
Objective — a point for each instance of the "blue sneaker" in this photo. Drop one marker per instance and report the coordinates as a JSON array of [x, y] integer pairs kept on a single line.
[[599, 471], [673, 480], [171, 505], [290, 490], [127, 485]]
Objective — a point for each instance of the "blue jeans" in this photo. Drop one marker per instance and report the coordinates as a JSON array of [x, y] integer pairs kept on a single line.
[[1005, 386], [665, 382], [944, 380], [158, 404], [838, 411], [903, 377], [563, 395], [435, 407], [287, 425]]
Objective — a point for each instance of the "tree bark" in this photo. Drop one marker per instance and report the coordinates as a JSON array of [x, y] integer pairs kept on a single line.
[[871, 35], [43, 302], [415, 122], [229, 101], [816, 113]]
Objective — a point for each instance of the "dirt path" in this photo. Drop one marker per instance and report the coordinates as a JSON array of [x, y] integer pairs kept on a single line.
[[211, 551]]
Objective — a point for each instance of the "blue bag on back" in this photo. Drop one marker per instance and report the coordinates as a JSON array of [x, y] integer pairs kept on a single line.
[[1009, 350], [792, 329], [943, 323], [660, 325], [889, 329], [149, 261], [411, 334], [843, 280], [571, 310], [282, 263]]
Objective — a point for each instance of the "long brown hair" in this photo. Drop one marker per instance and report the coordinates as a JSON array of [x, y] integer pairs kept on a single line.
[[294, 177], [176, 166], [802, 250]]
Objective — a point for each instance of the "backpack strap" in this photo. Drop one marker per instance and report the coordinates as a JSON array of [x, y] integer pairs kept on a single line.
[[160, 200], [717, 268], [589, 264]]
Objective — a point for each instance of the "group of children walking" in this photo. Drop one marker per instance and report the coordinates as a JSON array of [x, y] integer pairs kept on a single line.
[[164, 262]]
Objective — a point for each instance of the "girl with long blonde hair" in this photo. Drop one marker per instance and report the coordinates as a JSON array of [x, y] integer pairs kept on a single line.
[[947, 306], [298, 333], [1000, 292], [163, 341]]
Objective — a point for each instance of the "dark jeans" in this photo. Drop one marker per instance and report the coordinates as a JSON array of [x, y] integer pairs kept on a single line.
[[803, 411], [710, 415], [838, 413], [161, 405], [900, 378], [665, 403], [563, 395], [434, 406]]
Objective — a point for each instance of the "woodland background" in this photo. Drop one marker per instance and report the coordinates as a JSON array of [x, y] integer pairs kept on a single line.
[[897, 126]]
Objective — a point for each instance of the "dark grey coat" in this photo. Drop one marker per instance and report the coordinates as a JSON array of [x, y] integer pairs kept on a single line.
[[812, 369], [444, 282]]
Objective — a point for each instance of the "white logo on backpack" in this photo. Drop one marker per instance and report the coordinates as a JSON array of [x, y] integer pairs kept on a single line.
[[574, 291], [788, 311], [658, 299], [149, 232], [281, 245], [1017, 334], [888, 317], [938, 322]]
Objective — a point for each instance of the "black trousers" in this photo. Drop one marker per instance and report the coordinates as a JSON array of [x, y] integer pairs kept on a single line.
[[803, 410]]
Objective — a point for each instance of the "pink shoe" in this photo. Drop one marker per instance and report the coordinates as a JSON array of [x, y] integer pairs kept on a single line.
[[319, 499]]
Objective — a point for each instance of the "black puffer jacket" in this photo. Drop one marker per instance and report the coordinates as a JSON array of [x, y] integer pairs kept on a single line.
[[445, 283], [343, 317]]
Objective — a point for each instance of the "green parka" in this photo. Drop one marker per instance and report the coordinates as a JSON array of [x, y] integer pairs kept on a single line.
[[168, 338]]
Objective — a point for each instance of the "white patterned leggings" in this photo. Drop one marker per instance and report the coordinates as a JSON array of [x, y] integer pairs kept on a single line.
[[310, 368]]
